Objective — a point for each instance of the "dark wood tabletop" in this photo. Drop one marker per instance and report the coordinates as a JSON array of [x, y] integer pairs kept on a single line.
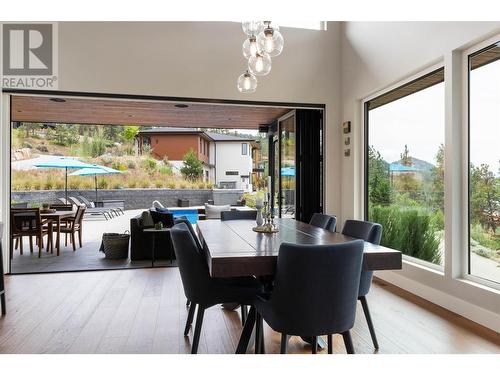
[[234, 249], [57, 214]]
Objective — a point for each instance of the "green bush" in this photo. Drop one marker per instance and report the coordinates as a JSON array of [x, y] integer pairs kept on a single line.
[[149, 164], [408, 230], [165, 170]]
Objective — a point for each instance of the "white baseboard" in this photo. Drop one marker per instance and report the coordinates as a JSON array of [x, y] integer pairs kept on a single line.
[[466, 309]]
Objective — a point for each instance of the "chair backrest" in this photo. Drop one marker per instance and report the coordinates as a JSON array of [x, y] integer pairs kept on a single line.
[[85, 201], [365, 230], [369, 232], [238, 215], [62, 206], [79, 214], [75, 201], [192, 265], [324, 221], [25, 220], [185, 220], [19, 205], [316, 288]]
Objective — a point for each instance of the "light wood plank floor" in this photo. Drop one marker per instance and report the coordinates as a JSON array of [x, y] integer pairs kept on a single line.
[[143, 311]]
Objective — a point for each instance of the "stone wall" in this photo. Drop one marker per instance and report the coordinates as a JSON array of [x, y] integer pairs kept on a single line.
[[135, 198]]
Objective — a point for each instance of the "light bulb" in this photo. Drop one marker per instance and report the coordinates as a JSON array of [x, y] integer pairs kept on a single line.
[[260, 64], [252, 27], [247, 83], [270, 41], [250, 47]]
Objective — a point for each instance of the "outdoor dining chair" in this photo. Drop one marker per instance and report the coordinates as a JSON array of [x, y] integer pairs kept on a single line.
[[27, 222]]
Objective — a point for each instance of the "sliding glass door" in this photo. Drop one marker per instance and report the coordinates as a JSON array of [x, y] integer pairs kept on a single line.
[[287, 166]]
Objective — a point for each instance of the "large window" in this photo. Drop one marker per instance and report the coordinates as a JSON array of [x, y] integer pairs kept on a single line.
[[484, 163], [405, 167]]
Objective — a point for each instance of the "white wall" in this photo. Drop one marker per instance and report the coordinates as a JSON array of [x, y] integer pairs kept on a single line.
[[203, 59], [228, 157], [376, 55]]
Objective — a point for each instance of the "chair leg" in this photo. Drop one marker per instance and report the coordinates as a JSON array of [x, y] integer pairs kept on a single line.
[[189, 321], [2, 302], [11, 247], [80, 236], [31, 244], [284, 343], [21, 245], [258, 333], [246, 334], [348, 342], [364, 304], [244, 314], [66, 239], [40, 246], [330, 344], [73, 240], [314, 344], [197, 329]]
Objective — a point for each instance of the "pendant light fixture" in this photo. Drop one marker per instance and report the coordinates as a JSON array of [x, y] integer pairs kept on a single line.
[[252, 27], [250, 47], [247, 83], [262, 42], [270, 40], [260, 64]]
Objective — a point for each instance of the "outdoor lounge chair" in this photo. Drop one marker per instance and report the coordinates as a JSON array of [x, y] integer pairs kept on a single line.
[[89, 204], [106, 213]]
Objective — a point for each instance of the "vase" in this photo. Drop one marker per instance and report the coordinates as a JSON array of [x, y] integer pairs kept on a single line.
[[259, 220]]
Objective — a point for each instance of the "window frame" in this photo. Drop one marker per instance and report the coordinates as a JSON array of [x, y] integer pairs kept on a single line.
[[244, 149], [365, 145], [466, 264]]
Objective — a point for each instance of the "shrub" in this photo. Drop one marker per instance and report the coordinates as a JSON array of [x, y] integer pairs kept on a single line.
[[97, 147], [119, 166], [166, 170], [192, 168], [102, 183], [42, 148], [171, 184], [158, 184], [149, 164], [408, 230], [183, 185], [131, 164], [144, 183], [132, 184]]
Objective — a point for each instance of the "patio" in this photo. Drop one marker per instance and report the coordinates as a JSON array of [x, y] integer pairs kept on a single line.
[[85, 258]]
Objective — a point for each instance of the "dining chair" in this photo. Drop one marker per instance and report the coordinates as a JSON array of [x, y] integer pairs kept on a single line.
[[238, 215], [74, 225], [27, 222], [324, 221], [62, 206], [369, 232], [200, 288], [308, 278]]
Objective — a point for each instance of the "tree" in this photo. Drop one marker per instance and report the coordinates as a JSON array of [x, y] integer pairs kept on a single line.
[[406, 158], [113, 133], [406, 181], [130, 132], [438, 179], [192, 168], [64, 135], [485, 196], [379, 187]]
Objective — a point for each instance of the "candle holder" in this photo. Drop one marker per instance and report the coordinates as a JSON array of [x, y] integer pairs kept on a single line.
[[268, 226]]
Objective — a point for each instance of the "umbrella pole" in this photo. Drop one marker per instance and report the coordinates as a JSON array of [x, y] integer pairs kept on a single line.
[[95, 180], [66, 184]]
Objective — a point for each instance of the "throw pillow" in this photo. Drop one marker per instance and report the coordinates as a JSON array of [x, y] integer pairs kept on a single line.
[[213, 212], [147, 220]]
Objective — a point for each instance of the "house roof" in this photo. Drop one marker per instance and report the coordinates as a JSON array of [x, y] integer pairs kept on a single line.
[[216, 137]]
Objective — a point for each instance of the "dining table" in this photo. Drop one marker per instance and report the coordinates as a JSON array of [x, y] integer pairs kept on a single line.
[[233, 249], [57, 216]]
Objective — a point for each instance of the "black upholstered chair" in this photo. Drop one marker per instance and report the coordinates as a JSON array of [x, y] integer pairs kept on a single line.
[[369, 232], [324, 221], [238, 215], [308, 278], [203, 290]]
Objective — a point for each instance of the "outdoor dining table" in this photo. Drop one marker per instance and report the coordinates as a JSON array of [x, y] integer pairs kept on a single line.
[[233, 249], [56, 217]]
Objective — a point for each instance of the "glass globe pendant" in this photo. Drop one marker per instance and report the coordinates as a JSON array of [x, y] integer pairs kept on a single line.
[[250, 47], [270, 40], [260, 64], [247, 83], [252, 27]]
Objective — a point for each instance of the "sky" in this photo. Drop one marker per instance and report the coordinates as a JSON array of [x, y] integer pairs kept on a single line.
[[418, 121]]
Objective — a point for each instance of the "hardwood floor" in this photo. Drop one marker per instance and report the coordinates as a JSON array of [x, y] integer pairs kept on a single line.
[[144, 311]]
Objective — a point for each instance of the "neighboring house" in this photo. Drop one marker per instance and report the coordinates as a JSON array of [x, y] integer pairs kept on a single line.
[[227, 159]]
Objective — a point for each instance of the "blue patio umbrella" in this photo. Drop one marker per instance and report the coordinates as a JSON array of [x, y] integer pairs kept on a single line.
[[66, 163], [288, 171], [94, 170]]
